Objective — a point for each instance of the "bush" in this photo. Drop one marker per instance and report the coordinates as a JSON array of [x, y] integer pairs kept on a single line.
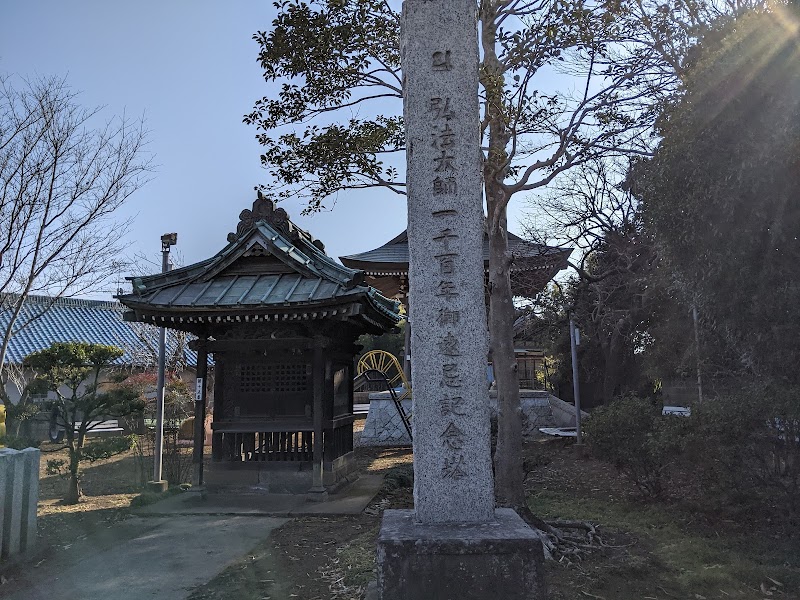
[[56, 467], [186, 430], [176, 459], [107, 447], [643, 445], [19, 442], [745, 447], [178, 407], [401, 476]]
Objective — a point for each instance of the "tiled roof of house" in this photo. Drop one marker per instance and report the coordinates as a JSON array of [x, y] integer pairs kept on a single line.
[[44, 320]]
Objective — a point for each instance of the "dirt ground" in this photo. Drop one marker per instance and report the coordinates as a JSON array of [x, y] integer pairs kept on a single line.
[[320, 558], [653, 551], [109, 486]]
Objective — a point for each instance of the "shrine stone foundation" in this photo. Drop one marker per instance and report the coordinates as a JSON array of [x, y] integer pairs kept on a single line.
[[454, 544]]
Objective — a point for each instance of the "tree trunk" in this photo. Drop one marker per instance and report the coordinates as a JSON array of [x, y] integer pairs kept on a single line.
[[73, 494], [508, 471], [75, 445], [614, 358]]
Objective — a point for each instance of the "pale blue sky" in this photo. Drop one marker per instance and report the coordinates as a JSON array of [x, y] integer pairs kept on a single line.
[[190, 67]]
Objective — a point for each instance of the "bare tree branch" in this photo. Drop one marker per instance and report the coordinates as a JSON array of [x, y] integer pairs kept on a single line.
[[61, 180]]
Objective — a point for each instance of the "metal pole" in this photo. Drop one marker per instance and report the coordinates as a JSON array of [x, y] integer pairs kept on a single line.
[[167, 240], [407, 337], [576, 392], [407, 349], [697, 354]]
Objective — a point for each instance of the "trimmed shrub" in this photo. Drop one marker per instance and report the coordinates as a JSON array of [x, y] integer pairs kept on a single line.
[[643, 445], [745, 447], [186, 430]]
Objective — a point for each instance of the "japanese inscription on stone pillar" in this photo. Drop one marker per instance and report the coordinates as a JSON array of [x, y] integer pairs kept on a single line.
[[452, 465]]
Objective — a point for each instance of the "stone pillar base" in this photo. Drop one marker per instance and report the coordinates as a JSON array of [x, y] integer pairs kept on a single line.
[[159, 487], [458, 561]]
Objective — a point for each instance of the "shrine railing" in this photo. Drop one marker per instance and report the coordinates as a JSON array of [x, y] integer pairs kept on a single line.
[[339, 440], [265, 446], [236, 444]]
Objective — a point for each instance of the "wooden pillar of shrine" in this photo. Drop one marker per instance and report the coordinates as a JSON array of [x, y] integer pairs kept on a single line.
[[318, 370], [217, 450]]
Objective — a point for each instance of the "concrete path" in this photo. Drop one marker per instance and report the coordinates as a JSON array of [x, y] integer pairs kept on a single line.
[[148, 558], [167, 549]]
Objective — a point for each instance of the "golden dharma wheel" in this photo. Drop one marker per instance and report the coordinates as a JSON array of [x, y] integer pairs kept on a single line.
[[2, 422], [386, 363]]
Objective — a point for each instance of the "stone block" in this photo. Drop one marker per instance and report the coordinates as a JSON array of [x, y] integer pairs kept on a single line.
[[384, 426], [338, 470], [14, 467], [230, 475], [157, 487], [452, 458], [564, 412], [459, 561], [284, 479], [30, 498], [5, 490]]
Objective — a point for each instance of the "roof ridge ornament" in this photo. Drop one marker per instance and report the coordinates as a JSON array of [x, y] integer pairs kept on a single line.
[[263, 210]]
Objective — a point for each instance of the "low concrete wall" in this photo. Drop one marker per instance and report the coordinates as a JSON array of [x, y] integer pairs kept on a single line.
[[19, 498], [384, 427], [563, 412], [535, 407]]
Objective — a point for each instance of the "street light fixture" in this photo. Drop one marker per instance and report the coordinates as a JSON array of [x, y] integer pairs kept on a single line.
[[167, 240]]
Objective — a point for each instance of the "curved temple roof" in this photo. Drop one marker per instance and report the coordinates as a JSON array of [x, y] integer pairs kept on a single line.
[[534, 264], [393, 255], [270, 270]]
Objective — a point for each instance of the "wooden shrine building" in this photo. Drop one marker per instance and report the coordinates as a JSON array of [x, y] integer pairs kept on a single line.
[[280, 318], [386, 267], [534, 266]]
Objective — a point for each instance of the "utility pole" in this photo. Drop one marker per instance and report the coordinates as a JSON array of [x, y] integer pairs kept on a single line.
[[574, 341], [158, 483]]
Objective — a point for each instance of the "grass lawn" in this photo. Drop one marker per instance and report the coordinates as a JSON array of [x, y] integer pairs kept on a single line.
[[665, 549]]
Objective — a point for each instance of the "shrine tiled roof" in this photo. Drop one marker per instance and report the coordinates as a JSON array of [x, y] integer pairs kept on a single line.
[[44, 320], [269, 266], [393, 255], [251, 291]]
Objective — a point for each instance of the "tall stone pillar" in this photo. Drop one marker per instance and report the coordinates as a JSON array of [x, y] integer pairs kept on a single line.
[[454, 544]]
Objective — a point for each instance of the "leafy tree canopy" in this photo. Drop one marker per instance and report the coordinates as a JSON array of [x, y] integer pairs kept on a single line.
[[332, 126], [71, 363], [720, 197]]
